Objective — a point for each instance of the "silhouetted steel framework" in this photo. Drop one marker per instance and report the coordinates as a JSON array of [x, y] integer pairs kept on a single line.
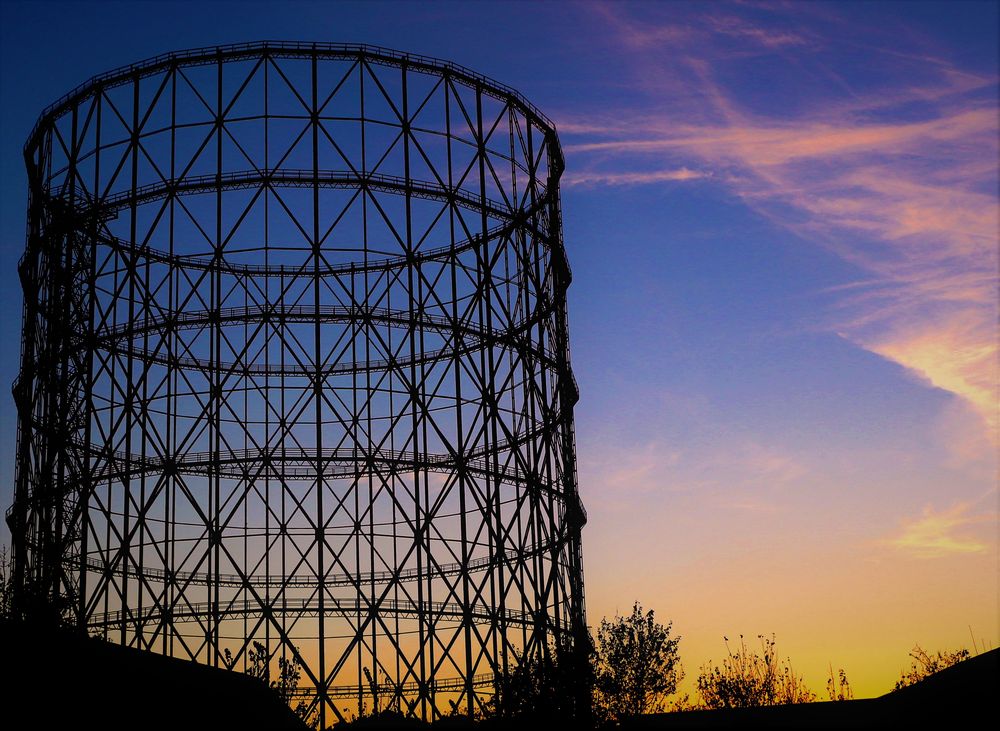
[[295, 371]]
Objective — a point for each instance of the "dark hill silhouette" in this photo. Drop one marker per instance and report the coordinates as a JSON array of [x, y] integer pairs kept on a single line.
[[65, 680], [957, 697]]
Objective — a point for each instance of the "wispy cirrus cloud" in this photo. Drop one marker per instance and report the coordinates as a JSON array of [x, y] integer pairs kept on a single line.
[[897, 178], [742, 29], [746, 475], [940, 533]]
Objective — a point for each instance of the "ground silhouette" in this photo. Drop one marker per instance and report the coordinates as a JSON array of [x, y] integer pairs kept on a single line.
[[62, 679], [58, 679], [961, 696]]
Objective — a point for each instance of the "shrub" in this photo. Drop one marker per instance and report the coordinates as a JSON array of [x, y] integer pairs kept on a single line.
[[838, 687], [749, 679], [544, 685], [285, 685], [925, 664]]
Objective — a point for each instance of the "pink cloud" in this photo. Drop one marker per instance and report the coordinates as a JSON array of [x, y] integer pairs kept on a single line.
[[956, 354], [737, 474]]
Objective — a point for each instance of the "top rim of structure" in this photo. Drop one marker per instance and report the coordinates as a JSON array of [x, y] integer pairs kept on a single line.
[[207, 54]]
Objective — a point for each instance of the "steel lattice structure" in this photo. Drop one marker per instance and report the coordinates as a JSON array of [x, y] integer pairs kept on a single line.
[[295, 371]]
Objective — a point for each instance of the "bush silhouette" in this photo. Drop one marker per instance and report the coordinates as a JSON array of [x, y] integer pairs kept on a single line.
[[838, 687], [747, 679], [925, 664], [284, 685], [545, 685]]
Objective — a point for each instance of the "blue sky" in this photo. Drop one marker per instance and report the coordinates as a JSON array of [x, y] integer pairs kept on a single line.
[[782, 223]]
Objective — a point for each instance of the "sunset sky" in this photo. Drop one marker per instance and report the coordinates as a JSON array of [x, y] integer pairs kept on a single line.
[[782, 220]]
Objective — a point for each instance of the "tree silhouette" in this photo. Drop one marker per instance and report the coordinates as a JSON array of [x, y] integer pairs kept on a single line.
[[638, 665]]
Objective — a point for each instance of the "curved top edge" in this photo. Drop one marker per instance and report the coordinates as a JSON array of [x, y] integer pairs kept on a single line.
[[379, 54]]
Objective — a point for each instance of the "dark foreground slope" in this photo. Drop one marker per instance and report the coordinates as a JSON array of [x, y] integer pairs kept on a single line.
[[961, 696], [67, 681]]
